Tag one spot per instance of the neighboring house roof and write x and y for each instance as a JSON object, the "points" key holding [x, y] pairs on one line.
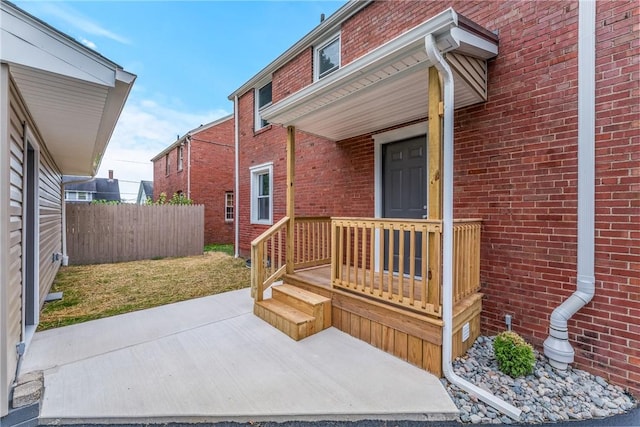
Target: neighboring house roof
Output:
{"points": [[144, 192], [192, 132], [102, 188], [74, 94]]}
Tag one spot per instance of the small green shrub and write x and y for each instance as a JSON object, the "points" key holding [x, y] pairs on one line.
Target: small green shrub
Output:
{"points": [[514, 355]]}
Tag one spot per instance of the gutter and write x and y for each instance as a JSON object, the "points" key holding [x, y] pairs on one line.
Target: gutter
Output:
{"points": [[447, 235], [556, 346]]}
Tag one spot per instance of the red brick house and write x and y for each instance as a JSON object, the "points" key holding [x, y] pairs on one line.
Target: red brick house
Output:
{"points": [[510, 127], [200, 166]]}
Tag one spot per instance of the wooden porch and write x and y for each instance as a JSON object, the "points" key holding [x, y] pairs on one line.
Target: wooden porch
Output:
{"points": [[397, 311]]}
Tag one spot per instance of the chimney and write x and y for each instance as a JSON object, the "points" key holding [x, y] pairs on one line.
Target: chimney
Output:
{"points": [[110, 174]]}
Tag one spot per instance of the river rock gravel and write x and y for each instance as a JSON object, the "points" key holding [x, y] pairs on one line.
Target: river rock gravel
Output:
{"points": [[547, 395]]}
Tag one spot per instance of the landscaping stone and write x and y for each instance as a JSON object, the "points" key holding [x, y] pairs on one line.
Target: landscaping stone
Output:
{"points": [[547, 395]]}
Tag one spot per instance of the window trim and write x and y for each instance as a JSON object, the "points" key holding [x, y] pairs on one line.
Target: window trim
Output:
{"points": [[229, 207], [256, 96], [254, 172], [316, 56]]}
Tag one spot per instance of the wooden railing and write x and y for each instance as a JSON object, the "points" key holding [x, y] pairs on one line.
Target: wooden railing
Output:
{"points": [[466, 258], [312, 241], [268, 258], [311, 247], [388, 260], [364, 251]]}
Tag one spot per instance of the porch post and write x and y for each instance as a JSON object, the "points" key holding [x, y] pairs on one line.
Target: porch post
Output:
{"points": [[291, 163], [434, 137]]}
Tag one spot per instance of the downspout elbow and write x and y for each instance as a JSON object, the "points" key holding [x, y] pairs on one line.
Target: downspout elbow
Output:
{"points": [[447, 254]]}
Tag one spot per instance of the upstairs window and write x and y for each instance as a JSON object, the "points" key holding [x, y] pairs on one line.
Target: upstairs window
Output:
{"points": [[180, 156], [327, 58], [167, 165], [263, 100]]}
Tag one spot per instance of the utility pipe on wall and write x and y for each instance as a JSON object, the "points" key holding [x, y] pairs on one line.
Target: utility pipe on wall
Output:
{"points": [[556, 346], [447, 236], [187, 138], [237, 176]]}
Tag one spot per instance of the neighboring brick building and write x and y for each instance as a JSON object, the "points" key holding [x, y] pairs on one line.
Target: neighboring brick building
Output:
{"points": [[200, 166], [515, 154]]}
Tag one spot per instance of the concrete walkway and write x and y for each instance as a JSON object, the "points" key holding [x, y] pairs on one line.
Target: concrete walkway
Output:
{"points": [[211, 359]]}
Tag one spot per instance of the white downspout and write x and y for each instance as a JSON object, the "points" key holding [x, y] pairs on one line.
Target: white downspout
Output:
{"points": [[236, 178], [447, 244], [188, 139], [556, 346]]}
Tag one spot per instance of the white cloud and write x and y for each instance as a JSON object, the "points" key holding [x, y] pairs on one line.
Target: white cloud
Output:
{"points": [[89, 44], [144, 129], [81, 22]]}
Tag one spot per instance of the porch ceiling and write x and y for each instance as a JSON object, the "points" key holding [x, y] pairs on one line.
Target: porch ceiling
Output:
{"points": [[389, 86]]}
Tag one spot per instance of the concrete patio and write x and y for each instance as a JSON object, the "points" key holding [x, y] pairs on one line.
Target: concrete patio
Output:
{"points": [[211, 359]]}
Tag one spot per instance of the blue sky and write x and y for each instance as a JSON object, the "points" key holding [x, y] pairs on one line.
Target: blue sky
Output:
{"points": [[188, 56]]}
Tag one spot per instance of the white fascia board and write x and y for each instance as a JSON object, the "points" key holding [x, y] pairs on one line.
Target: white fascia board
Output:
{"points": [[113, 108], [29, 42], [414, 38]]}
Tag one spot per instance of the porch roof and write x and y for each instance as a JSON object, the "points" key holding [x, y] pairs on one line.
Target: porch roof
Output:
{"points": [[389, 85], [74, 94]]}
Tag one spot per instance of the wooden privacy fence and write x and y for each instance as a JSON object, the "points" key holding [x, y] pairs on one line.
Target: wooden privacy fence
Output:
{"points": [[100, 234]]}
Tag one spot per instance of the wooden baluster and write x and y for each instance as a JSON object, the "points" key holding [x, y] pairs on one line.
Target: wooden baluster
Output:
{"points": [[356, 267], [372, 256], [381, 260], [412, 263], [364, 257], [391, 264], [401, 230], [424, 290], [341, 252]]}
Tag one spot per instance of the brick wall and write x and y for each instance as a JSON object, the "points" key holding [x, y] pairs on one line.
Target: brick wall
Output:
{"points": [[515, 167], [212, 175]]}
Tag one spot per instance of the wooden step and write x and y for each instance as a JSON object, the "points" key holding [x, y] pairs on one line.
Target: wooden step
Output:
{"points": [[291, 321], [305, 301]]}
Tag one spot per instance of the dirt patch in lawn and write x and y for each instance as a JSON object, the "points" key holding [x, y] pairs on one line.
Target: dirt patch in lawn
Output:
{"points": [[96, 291]]}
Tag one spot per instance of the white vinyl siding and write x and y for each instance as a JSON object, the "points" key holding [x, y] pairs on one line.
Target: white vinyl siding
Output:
{"points": [[49, 217]]}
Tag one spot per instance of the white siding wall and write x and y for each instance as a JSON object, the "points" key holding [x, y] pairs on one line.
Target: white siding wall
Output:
{"points": [[50, 239]]}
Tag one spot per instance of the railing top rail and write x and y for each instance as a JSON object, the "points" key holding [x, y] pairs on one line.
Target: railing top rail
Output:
{"points": [[390, 220], [458, 220], [313, 218], [273, 229]]}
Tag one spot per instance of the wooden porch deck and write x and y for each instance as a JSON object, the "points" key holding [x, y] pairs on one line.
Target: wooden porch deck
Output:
{"points": [[409, 335]]}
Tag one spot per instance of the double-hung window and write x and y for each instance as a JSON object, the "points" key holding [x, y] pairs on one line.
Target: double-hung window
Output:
{"points": [[326, 58], [228, 206], [262, 194], [180, 156], [263, 100]]}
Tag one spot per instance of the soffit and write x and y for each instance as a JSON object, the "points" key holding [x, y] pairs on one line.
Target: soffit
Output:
{"points": [[388, 86], [73, 94]]}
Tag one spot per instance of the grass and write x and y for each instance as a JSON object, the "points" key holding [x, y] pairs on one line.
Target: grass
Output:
{"points": [[227, 249], [96, 291]]}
